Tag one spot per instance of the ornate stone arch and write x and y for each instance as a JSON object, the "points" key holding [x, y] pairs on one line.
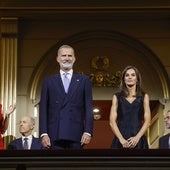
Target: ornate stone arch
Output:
{"points": [[99, 42]]}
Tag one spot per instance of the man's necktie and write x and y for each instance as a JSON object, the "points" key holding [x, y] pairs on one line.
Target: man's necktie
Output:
{"points": [[66, 82], [26, 143]]}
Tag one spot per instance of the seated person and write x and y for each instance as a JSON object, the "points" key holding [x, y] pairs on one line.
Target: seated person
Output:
{"points": [[27, 141], [164, 141]]}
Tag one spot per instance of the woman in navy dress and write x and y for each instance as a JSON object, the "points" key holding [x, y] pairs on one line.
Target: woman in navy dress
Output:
{"points": [[130, 112]]}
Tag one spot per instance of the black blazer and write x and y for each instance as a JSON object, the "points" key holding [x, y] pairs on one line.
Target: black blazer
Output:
{"points": [[17, 144], [164, 142]]}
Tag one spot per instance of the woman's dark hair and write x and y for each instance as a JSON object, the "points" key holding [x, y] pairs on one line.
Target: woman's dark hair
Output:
{"points": [[139, 89]]}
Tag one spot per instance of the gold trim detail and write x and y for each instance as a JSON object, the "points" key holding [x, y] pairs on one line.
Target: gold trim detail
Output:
{"points": [[101, 77]]}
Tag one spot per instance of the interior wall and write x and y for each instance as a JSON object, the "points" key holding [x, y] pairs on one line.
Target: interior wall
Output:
{"points": [[39, 39], [102, 137], [120, 50]]}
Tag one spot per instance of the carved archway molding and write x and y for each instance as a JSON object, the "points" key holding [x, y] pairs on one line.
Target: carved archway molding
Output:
{"points": [[42, 69]]}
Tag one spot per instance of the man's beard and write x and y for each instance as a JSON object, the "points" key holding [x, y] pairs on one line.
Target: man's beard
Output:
{"points": [[66, 66]]}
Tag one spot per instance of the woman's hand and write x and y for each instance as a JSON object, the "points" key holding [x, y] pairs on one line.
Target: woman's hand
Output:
{"points": [[125, 143], [133, 141], [10, 109]]}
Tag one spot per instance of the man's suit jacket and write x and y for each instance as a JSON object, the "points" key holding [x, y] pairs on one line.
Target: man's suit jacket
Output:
{"points": [[66, 116], [18, 145], [164, 142]]}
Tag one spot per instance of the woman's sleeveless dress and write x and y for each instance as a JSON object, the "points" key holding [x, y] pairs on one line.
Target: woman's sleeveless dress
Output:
{"points": [[130, 119], [1, 119]]}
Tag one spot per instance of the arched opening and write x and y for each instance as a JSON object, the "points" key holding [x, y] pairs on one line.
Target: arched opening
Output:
{"points": [[121, 50]]}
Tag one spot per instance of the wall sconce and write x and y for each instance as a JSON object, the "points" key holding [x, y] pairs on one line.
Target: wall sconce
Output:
{"points": [[96, 114]]}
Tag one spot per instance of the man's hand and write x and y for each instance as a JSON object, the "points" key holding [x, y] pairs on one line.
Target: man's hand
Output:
{"points": [[86, 138], [46, 141]]}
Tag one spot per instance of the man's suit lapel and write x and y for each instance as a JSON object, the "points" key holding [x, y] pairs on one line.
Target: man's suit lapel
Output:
{"points": [[75, 81], [20, 145], [73, 84], [33, 144], [59, 85], [166, 141]]}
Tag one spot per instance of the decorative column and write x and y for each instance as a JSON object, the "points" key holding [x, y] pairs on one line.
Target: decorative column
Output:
{"points": [[8, 63]]}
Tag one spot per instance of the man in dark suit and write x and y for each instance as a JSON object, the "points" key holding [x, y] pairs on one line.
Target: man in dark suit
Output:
{"points": [[66, 116], [164, 141], [27, 141]]}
